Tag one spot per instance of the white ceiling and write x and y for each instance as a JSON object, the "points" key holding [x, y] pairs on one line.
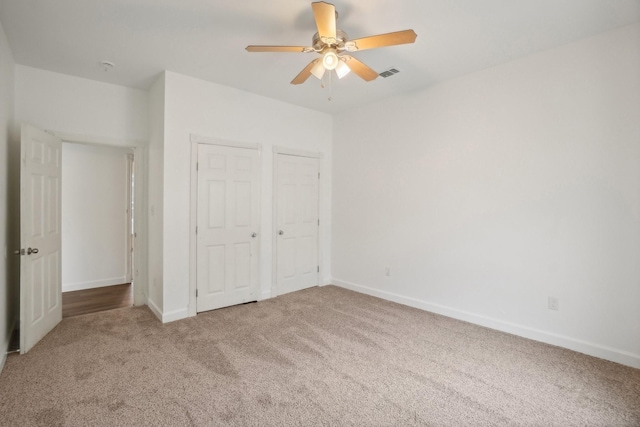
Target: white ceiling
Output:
{"points": [[206, 39]]}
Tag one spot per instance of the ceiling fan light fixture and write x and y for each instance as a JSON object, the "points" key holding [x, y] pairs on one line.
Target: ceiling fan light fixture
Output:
{"points": [[342, 69], [330, 59], [318, 70], [329, 41]]}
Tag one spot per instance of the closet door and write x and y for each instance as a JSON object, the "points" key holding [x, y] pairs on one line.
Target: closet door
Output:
{"points": [[228, 218], [297, 223]]}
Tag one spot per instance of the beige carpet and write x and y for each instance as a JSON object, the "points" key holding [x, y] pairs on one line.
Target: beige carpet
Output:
{"points": [[324, 356]]}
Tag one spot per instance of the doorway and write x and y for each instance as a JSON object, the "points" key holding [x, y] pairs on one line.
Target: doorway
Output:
{"points": [[41, 224], [98, 188]]}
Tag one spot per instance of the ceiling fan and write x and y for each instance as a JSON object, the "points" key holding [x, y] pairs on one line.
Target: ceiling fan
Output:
{"points": [[332, 44]]}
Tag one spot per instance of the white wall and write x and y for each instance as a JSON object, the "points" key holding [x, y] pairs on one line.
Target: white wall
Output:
{"points": [[99, 112], [156, 177], [207, 109], [487, 194], [8, 286], [94, 216], [79, 106]]}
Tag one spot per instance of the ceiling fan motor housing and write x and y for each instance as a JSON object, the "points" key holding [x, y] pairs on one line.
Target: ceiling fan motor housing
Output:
{"points": [[320, 43]]}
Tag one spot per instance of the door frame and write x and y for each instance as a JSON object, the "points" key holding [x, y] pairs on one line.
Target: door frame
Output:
{"points": [[277, 150], [193, 208], [138, 147], [131, 200]]}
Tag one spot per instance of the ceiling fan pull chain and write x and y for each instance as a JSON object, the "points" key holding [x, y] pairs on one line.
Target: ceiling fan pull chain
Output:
{"points": [[330, 85]]}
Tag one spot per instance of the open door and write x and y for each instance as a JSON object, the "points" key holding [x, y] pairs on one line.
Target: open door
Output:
{"points": [[40, 225]]}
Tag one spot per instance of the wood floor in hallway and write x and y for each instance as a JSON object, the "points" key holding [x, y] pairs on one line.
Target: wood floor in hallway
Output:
{"points": [[99, 299]]}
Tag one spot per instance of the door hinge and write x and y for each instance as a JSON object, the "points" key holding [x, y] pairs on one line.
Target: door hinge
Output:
{"points": [[196, 229], [318, 222], [196, 293], [318, 269], [318, 175], [197, 165]]}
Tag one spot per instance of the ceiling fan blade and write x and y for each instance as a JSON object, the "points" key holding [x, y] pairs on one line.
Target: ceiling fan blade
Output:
{"points": [[305, 73], [389, 39], [253, 48], [325, 14], [359, 68]]}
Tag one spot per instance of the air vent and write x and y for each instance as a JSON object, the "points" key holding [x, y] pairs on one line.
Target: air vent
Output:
{"points": [[390, 72]]}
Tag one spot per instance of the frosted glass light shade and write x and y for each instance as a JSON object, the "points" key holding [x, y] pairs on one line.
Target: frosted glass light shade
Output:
{"points": [[330, 60], [342, 69], [318, 70]]}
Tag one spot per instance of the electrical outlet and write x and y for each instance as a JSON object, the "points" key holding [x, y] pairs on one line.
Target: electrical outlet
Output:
{"points": [[387, 271], [554, 303]]}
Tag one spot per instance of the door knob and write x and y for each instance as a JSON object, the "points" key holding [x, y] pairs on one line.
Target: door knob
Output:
{"points": [[254, 234], [32, 251], [281, 232]]}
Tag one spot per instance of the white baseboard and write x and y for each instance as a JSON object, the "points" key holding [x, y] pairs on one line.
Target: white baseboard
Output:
{"points": [[154, 308], [592, 349], [139, 298], [170, 316], [5, 349], [174, 315], [68, 287], [5, 346]]}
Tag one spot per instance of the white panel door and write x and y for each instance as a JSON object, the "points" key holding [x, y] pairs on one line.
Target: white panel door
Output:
{"points": [[228, 218], [40, 224], [297, 224]]}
